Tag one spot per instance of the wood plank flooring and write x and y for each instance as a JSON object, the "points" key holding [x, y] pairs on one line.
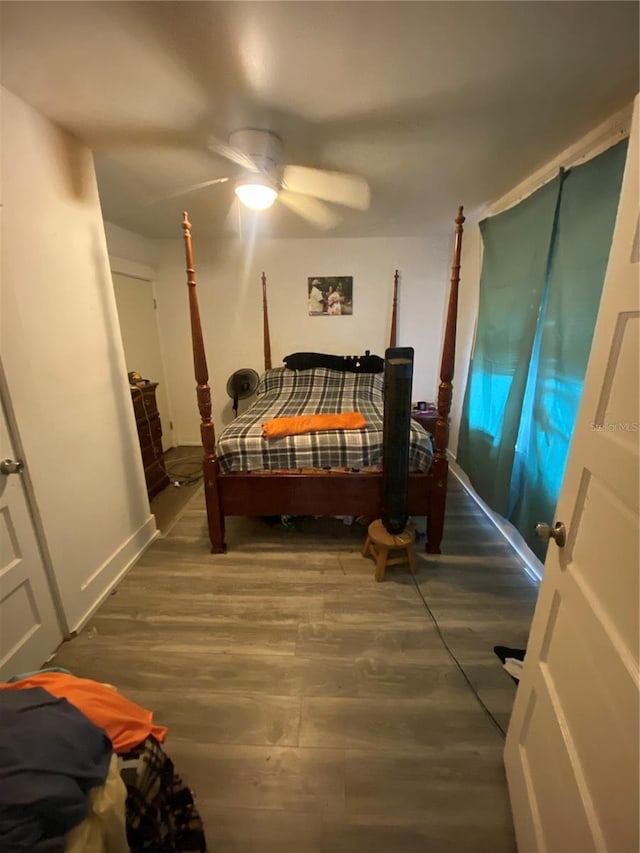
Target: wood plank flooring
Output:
{"points": [[182, 464], [310, 709]]}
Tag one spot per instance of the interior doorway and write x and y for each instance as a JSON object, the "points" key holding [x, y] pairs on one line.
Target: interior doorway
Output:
{"points": [[137, 312]]}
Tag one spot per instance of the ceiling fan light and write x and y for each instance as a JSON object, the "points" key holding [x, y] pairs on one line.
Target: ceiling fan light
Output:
{"points": [[256, 196]]}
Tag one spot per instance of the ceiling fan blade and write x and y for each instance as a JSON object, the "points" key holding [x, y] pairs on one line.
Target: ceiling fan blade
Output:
{"points": [[337, 187], [183, 190], [231, 153], [314, 211]]}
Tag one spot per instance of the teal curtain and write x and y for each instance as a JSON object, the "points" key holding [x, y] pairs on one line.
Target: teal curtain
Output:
{"points": [[578, 262], [543, 269], [516, 254]]}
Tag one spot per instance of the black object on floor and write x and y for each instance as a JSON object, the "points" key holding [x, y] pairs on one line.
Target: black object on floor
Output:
{"points": [[505, 652]]}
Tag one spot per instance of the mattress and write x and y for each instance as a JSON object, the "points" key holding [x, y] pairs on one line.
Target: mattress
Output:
{"points": [[287, 393]]}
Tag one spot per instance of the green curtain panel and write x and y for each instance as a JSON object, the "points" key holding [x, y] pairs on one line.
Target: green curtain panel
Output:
{"points": [[578, 263], [517, 246]]}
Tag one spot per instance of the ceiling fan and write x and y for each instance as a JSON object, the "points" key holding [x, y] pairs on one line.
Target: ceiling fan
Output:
{"points": [[266, 177]]}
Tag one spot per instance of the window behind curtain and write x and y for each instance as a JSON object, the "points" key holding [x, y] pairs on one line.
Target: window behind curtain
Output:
{"points": [[578, 263], [543, 269], [516, 252]]}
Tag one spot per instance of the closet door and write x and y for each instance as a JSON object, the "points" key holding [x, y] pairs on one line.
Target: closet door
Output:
{"points": [[29, 626]]}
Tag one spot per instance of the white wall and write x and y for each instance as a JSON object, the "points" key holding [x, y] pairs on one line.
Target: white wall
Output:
{"points": [[228, 276], [63, 359], [130, 246], [595, 142]]}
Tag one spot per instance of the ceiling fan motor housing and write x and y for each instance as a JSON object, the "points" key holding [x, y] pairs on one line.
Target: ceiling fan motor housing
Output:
{"points": [[263, 146]]}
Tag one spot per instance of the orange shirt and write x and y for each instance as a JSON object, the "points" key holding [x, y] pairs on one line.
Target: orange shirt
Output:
{"points": [[126, 723]]}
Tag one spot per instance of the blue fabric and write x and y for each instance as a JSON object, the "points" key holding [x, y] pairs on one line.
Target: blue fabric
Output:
{"points": [[542, 275], [51, 755], [578, 262], [516, 256], [37, 672]]}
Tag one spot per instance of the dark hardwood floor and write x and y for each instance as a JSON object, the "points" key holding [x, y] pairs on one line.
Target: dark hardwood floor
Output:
{"points": [[315, 711]]}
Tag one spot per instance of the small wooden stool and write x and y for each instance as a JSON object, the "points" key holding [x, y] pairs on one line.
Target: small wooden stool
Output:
{"points": [[380, 543]]}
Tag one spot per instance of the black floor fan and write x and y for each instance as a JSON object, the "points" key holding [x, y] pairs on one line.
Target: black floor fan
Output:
{"points": [[398, 379], [241, 385]]}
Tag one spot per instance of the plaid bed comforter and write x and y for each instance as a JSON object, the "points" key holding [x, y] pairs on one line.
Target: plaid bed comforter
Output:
{"points": [[286, 393]]}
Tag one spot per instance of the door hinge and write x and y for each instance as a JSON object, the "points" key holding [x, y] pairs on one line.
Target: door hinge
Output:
{"points": [[170, 424], [155, 305]]}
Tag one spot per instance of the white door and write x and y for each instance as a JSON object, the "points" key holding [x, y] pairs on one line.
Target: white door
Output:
{"points": [[571, 752], [140, 339], [29, 626]]}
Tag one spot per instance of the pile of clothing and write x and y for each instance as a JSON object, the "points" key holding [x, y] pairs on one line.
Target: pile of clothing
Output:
{"points": [[82, 770]]}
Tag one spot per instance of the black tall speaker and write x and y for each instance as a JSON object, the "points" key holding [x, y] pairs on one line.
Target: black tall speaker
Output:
{"points": [[398, 378]]}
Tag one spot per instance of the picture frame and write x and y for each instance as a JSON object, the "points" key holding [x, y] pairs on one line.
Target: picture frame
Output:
{"points": [[330, 295]]}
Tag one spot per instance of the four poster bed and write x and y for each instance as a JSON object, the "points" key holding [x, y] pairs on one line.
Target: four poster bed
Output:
{"points": [[270, 488]]}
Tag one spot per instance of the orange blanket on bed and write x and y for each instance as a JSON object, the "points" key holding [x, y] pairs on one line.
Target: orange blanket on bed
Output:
{"points": [[279, 427]]}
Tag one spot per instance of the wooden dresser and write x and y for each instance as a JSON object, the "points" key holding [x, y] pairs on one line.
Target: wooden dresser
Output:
{"points": [[150, 436], [426, 418]]}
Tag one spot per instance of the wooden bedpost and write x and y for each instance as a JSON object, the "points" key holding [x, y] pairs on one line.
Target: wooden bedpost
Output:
{"points": [[210, 465], [265, 321], [394, 311], [440, 468]]}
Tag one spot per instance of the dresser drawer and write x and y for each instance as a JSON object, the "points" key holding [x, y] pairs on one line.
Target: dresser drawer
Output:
{"points": [[149, 430], [144, 400], [149, 397], [151, 454]]}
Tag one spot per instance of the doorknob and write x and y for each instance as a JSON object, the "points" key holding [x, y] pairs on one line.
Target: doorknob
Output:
{"points": [[8, 466], [558, 533]]}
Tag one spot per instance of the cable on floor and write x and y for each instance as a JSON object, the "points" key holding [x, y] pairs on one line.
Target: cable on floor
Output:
{"points": [[183, 478], [456, 661], [176, 479]]}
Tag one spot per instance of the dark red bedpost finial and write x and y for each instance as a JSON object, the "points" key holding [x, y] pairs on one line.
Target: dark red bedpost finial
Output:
{"points": [[203, 392], [445, 389], [199, 357], [265, 320], [440, 466]]}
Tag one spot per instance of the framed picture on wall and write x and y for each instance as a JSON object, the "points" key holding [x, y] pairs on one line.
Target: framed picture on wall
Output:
{"points": [[330, 295]]}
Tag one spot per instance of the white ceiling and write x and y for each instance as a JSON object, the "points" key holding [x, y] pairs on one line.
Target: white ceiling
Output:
{"points": [[435, 103]]}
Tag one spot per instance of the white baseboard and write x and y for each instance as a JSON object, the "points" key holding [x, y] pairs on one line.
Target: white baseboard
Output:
{"points": [[119, 564], [533, 566]]}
